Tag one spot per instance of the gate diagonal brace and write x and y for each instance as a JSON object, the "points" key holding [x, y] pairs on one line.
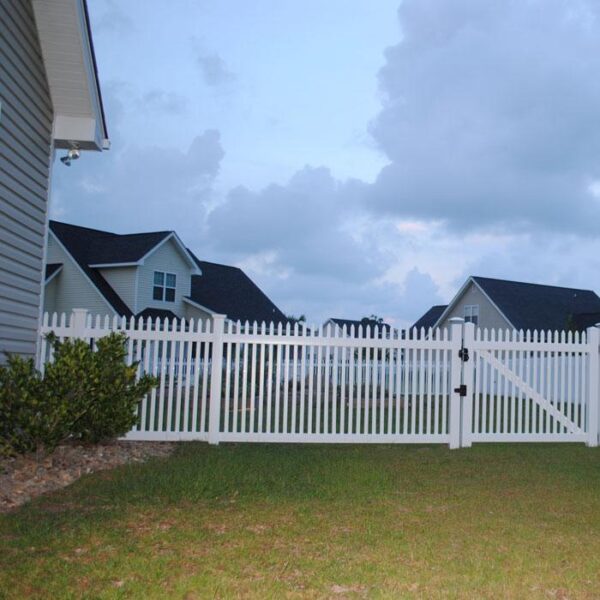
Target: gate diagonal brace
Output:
{"points": [[571, 427]]}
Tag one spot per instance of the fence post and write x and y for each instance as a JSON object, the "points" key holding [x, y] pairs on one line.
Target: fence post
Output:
{"points": [[456, 334], [468, 369], [593, 339], [78, 322], [216, 379]]}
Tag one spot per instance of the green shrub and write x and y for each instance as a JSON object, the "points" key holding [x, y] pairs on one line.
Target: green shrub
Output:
{"points": [[84, 394], [21, 399]]}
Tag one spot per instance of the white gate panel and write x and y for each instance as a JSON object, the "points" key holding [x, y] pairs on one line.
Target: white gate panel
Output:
{"points": [[530, 387]]}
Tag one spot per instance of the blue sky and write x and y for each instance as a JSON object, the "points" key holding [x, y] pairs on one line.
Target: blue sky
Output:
{"points": [[352, 157], [292, 83]]}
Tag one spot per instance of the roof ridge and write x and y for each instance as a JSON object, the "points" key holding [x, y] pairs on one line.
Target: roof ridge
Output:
{"points": [[55, 222], [529, 283], [112, 233], [211, 262]]}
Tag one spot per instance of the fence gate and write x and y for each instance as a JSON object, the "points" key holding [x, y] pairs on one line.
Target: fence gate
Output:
{"points": [[530, 387]]}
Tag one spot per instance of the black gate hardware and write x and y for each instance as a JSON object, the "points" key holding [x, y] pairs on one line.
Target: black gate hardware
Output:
{"points": [[463, 354], [461, 390]]}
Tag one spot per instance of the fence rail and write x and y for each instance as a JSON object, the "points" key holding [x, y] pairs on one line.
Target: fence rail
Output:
{"points": [[226, 381]]}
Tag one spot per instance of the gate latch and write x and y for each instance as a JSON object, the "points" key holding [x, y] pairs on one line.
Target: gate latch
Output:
{"points": [[463, 354], [461, 390]]}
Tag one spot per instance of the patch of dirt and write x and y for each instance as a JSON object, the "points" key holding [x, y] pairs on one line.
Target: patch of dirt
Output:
{"points": [[25, 477]]}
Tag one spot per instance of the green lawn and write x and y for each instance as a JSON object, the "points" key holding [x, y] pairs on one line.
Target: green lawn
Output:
{"points": [[275, 521]]}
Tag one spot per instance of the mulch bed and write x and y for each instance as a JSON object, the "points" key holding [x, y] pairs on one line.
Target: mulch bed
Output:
{"points": [[25, 477]]}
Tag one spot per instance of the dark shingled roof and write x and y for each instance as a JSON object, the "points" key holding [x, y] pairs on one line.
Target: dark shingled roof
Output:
{"points": [[92, 246], [229, 291], [101, 247], [372, 323], [430, 318], [534, 306], [52, 268], [153, 313], [582, 321]]}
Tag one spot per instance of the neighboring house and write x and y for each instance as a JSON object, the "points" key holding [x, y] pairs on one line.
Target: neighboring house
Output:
{"points": [[49, 99], [430, 318], [337, 327], [499, 304], [145, 275]]}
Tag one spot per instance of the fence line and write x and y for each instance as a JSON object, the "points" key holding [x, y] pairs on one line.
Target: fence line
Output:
{"points": [[226, 381]]}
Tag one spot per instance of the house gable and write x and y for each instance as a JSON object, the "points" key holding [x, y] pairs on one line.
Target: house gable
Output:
{"points": [[167, 258], [471, 294], [71, 288]]}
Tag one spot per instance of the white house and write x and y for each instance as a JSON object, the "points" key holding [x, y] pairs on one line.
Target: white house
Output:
{"points": [[145, 275], [49, 99]]}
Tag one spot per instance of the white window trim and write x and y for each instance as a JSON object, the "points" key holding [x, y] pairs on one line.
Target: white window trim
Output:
{"points": [[164, 286], [471, 311]]}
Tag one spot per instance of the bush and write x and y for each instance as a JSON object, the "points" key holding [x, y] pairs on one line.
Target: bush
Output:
{"points": [[84, 394], [21, 399]]}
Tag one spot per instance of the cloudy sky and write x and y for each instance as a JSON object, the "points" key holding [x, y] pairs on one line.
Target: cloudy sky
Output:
{"points": [[353, 157]]}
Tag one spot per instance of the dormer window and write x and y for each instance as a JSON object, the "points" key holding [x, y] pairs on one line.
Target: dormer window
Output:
{"points": [[164, 286]]}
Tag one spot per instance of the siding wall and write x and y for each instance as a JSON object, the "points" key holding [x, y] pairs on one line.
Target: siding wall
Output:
{"points": [[191, 312], [488, 314], [123, 281], [25, 150], [70, 288], [168, 259]]}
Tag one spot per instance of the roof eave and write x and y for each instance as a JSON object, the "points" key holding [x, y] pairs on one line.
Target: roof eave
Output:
{"points": [[70, 63], [114, 265]]}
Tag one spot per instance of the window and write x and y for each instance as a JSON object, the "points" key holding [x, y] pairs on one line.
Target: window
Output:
{"points": [[164, 286], [472, 313]]}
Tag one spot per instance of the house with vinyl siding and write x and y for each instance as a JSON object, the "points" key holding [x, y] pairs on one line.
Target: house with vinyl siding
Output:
{"points": [[145, 275], [502, 304], [50, 102]]}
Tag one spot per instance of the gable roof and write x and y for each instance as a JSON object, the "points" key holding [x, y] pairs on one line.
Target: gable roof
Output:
{"points": [[430, 318], [97, 247], [228, 290], [534, 306], [83, 244]]}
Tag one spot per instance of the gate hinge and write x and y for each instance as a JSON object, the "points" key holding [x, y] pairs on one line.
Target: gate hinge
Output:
{"points": [[463, 354], [461, 390]]}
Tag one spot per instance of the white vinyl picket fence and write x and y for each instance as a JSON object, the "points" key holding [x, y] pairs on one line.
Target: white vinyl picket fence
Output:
{"points": [[221, 381]]}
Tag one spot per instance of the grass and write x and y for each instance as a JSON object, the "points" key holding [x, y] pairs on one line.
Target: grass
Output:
{"points": [[274, 521]]}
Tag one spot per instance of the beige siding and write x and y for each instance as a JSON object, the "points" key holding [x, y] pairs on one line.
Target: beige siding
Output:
{"points": [[25, 149], [192, 312], [123, 281], [72, 288], [50, 294], [489, 316], [168, 259]]}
